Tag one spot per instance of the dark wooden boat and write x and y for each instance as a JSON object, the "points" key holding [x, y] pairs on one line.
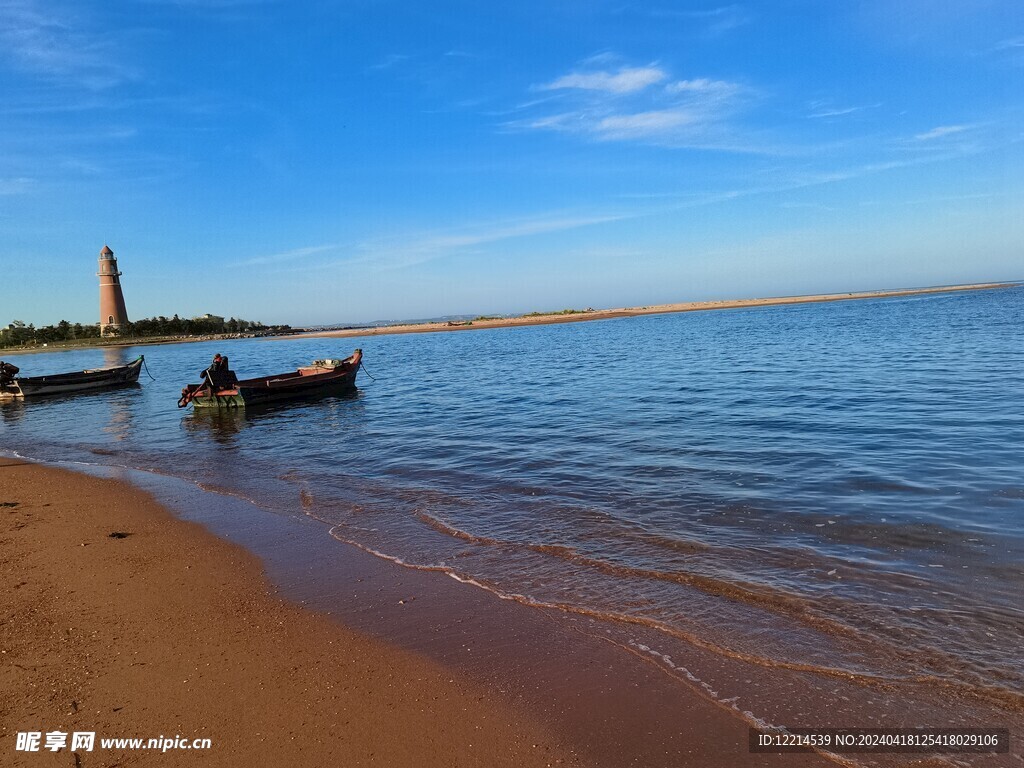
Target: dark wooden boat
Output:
{"points": [[323, 377], [67, 383]]}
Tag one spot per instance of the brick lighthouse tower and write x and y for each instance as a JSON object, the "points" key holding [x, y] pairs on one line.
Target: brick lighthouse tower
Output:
{"points": [[113, 315]]}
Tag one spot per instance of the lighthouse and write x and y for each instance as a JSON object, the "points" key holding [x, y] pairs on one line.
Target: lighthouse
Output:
{"points": [[113, 315]]}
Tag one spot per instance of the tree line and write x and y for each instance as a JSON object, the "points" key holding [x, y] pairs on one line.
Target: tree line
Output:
{"points": [[19, 334]]}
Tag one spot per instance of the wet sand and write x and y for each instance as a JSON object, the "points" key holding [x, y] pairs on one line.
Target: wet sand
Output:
{"points": [[173, 631], [658, 309]]}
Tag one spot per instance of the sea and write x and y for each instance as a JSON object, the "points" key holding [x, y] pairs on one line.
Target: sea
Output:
{"points": [[795, 510]]}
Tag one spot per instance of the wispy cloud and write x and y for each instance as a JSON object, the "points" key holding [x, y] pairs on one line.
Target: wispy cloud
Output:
{"points": [[835, 112], [16, 186], [645, 124], [414, 248], [418, 248], [626, 80], [712, 21], [823, 109], [940, 131], [639, 104], [724, 18], [704, 86], [780, 180], [807, 206], [390, 61], [931, 200], [56, 43], [964, 138], [1009, 44], [291, 255], [815, 178]]}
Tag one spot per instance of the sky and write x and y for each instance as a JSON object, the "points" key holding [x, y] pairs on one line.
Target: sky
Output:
{"points": [[341, 162]]}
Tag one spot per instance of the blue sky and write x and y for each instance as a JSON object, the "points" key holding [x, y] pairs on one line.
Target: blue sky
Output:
{"points": [[324, 162]]}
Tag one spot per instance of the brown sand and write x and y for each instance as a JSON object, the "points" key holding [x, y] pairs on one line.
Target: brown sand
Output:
{"points": [[171, 631], [659, 309]]}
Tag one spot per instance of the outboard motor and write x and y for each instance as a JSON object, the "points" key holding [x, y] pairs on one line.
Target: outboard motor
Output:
{"points": [[7, 373]]}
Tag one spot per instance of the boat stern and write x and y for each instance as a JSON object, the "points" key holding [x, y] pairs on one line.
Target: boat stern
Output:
{"points": [[198, 396], [10, 392], [222, 400]]}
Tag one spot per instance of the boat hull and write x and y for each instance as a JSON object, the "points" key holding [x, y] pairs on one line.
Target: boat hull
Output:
{"points": [[305, 383], [69, 383]]}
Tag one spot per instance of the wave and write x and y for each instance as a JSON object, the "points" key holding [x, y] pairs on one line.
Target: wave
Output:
{"points": [[992, 695]]}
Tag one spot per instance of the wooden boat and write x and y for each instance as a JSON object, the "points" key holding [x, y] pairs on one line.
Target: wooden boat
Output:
{"points": [[322, 377], [67, 383]]}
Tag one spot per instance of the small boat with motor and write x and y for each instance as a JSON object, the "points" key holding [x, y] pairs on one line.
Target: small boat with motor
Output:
{"points": [[221, 388], [13, 386]]}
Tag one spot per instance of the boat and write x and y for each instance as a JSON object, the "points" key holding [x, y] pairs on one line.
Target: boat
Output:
{"points": [[322, 377], [12, 387]]}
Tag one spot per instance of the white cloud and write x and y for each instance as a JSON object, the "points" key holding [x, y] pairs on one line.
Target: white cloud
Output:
{"points": [[626, 80], [556, 122], [48, 41], [391, 60], [1011, 43], [644, 124], [411, 249], [621, 105], [702, 85], [824, 109], [716, 21], [939, 132], [835, 112], [408, 250], [292, 255]]}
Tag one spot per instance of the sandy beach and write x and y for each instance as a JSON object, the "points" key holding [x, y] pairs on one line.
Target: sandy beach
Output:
{"points": [[170, 632], [658, 309]]}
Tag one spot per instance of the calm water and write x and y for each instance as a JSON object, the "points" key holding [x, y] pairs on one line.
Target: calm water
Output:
{"points": [[826, 495]]}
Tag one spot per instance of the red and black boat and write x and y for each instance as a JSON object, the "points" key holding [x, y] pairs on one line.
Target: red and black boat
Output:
{"points": [[322, 377]]}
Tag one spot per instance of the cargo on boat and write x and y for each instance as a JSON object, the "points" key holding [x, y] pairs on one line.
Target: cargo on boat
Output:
{"points": [[222, 389], [14, 386]]}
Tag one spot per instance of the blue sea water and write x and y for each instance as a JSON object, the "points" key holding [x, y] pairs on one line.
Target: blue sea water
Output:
{"points": [[834, 491]]}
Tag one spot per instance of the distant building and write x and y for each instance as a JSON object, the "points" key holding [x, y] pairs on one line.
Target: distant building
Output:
{"points": [[210, 318], [113, 315]]}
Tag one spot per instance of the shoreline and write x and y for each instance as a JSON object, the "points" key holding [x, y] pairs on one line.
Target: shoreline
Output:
{"points": [[510, 684], [659, 309], [531, 319], [142, 341], [170, 631]]}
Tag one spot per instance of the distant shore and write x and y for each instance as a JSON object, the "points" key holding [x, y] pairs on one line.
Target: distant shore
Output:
{"points": [[533, 318], [657, 309], [115, 342]]}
